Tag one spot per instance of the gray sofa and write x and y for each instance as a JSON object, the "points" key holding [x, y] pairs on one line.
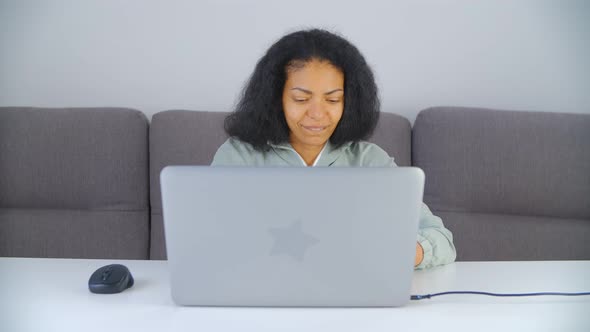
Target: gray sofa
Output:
{"points": [[74, 183], [84, 182], [510, 185]]}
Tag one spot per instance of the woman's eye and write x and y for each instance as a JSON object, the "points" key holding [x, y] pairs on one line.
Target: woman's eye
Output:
{"points": [[333, 101], [300, 100]]}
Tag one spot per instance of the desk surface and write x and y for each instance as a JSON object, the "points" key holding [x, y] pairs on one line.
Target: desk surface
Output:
{"points": [[52, 295]]}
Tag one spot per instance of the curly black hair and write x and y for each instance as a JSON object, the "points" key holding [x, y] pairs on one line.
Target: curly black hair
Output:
{"points": [[259, 119]]}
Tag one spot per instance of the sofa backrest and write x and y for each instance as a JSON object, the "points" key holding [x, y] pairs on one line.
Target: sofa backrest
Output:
{"points": [[180, 137], [74, 183], [510, 185]]}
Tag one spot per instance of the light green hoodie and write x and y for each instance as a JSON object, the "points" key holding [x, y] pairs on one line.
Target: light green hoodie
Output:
{"points": [[435, 239]]}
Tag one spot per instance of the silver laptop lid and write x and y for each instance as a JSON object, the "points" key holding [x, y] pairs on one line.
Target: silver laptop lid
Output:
{"points": [[241, 236]]}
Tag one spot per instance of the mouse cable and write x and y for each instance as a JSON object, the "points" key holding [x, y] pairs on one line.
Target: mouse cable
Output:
{"points": [[427, 296]]}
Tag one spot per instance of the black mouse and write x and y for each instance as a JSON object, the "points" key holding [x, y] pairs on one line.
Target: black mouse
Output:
{"points": [[110, 279]]}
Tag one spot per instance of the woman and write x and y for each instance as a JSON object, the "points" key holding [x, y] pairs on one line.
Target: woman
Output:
{"points": [[311, 101]]}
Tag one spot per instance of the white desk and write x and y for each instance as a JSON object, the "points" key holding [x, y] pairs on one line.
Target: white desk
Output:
{"points": [[52, 295]]}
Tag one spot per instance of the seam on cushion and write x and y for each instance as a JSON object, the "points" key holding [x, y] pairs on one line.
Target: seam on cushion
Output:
{"points": [[508, 214], [68, 209]]}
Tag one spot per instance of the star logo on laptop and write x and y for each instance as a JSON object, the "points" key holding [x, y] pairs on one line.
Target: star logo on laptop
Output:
{"points": [[291, 241]]}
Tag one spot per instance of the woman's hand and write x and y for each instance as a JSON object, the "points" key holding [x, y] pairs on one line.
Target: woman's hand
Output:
{"points": [[419, 255]]}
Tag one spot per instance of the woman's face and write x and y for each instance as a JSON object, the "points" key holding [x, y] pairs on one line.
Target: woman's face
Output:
{"points": [[313, 102]]}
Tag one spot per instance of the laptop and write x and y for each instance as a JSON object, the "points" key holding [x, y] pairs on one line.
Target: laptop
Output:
{"points": [[294, 237]]}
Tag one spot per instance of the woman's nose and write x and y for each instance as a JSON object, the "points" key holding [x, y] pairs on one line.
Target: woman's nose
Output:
{"points": [[315, 110]]}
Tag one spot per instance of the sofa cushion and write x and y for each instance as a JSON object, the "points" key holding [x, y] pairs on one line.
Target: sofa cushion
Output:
{"points": [[501, 237], [507, 163], [76, 179], [179, 137]]}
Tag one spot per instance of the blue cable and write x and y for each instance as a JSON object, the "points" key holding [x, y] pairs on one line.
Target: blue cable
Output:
{"points": [[428, 296]]}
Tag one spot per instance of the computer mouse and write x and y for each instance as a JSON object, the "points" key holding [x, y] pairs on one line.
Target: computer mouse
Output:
{"points": [[110, 279]]}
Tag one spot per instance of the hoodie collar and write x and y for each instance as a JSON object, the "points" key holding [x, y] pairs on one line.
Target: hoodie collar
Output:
{"points": [[327, 157]]}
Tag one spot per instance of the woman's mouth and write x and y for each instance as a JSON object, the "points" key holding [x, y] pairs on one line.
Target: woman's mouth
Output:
{"points": [[315, 129]]}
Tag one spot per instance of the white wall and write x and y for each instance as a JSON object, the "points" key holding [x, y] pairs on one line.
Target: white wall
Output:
{"points": [[157, 55]]}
